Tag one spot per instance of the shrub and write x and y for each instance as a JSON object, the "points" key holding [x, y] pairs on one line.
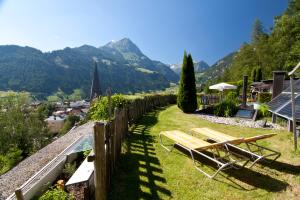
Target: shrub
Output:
{"points": [[100, 109], [10, 159], [264, 97], [226, 108], [86, 152], [187, 99], [56, 194], [232, 96], [69, 169], [199, 97], [264, 110], [69, 123]]}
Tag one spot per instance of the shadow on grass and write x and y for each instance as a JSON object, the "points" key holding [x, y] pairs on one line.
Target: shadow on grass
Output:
{"points": [[139, 173], [244, 175], [282, 167]]}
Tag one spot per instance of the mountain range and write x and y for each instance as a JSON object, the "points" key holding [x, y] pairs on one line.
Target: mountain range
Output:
{"points": [[215, 71], [205, 73], [121, 65], [198, 67]]}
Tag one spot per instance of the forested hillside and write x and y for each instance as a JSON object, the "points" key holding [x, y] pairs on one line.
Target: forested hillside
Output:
{"points": [[216, 71], [122, 66], [278, 49]]}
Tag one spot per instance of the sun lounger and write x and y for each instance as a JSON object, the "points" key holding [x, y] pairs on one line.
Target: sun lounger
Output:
{"points": [[256, 154], [198, 146]]}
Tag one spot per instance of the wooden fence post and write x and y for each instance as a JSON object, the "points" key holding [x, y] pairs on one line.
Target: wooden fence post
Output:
{"points": [[107, 130], [109, 104], [100, 162], [19, 194]]}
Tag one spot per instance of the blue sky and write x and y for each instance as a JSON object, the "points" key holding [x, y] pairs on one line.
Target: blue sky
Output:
{"points": [[162, 29]]}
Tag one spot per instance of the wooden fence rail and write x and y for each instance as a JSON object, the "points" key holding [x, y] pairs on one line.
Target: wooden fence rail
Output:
{"points": [[108, 138], [208, 99]]}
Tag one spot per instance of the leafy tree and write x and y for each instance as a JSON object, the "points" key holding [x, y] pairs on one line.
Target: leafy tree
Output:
{"points": [[187, 99], [77, 95], [22, 126], [45, 110], [53, 98]]}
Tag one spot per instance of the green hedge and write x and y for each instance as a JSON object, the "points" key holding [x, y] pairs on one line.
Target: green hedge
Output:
{"points": [[99, 109], [264, 97]]}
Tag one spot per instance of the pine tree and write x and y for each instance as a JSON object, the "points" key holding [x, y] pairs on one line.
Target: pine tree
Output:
{"points": [[259, 74], [187, 98], [258, 31], [293, 7], [253, 75]]}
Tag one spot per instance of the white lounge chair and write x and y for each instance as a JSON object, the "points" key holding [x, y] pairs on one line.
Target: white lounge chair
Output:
{"points": [[256, 154], [197, 146]]}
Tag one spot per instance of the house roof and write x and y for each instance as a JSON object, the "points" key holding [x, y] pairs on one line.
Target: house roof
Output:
{"points": [[54, 118]]}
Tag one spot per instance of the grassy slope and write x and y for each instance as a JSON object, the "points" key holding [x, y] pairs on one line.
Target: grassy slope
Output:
{"points": [[147, 171]]}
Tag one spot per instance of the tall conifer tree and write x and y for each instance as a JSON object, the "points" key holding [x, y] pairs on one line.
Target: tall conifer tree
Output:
{"points": [[187, 98], [257, 32], [259, 74], [253, 75]]}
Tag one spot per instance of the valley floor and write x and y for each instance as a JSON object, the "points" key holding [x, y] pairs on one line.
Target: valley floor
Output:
{"points": [[147, 171]]}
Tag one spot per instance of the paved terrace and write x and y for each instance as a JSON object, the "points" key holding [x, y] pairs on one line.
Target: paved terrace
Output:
{"points": [[31, 165]]}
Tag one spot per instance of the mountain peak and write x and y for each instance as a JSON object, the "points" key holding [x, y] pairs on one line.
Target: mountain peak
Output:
{"points": [[124, 45], [198, 66]]}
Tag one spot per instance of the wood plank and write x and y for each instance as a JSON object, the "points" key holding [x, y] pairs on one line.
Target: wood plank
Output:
{"points": [[99, 163], [221, 137], [189, 141], [259, 137], [213, 134], [108, 153]]}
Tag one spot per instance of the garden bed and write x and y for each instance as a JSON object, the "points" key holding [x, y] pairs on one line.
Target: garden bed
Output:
{"points": [[240, 122]]}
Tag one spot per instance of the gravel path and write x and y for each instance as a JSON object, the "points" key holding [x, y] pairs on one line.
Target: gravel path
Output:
{"points": [[28, 167], [239, 122]]}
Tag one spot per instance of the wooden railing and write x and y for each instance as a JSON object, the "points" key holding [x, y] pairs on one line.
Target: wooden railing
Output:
{"points": [[208, 99], [109, 136]]}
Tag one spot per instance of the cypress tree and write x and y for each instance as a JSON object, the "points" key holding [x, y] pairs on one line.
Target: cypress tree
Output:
{"points": [[253, 75], [187, 98], [259, 74]]}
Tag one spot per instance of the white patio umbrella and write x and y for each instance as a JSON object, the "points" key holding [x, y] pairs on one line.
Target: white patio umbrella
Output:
{"points": [[222, 86]]}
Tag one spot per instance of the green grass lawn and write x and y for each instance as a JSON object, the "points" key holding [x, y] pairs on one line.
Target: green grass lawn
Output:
{"points": [[148, 171]]}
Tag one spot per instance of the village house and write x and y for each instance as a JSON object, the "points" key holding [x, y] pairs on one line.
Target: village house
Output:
{"points": [[55, 123]]}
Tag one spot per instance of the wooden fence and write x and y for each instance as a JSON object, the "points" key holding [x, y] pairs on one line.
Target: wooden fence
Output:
{"points": [[208, 99], [108, 138]]}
